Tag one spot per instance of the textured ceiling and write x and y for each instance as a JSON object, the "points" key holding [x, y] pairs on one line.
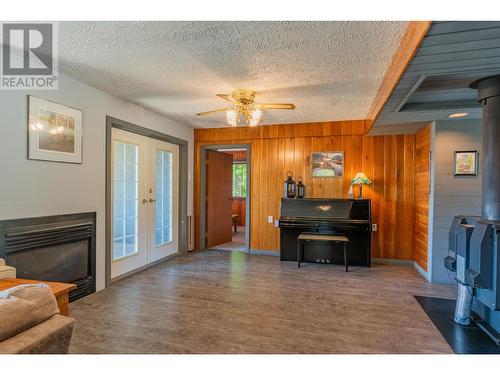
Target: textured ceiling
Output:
{"points": [[330, 70]]}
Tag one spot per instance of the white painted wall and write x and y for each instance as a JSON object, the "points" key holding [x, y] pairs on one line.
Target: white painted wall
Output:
{"points": [[30, 188], [451, 195]]}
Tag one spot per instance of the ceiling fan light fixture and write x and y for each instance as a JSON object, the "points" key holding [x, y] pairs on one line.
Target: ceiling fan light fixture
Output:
{"points": [[244, 110], [255, 117], [232, 117]]}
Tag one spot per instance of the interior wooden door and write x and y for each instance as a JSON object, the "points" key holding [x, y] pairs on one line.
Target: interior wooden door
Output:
{"points": [[219, 198]]}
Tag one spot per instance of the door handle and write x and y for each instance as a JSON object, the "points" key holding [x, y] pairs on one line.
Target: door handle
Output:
{"points": [[151, 200], [144, 201]]}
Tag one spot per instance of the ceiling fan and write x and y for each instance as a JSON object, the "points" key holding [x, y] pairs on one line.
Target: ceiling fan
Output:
{"points": [[244, 110]]}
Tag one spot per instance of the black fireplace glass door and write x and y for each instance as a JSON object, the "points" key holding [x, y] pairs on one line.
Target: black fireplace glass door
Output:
{"points": [[64, 263]]}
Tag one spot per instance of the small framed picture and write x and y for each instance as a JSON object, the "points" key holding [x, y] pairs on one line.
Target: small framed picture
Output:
{"points": [[328, 164], [465, 163], [54, 131]]}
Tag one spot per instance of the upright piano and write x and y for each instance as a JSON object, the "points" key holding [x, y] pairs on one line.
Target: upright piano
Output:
{"points": [[347, 217]]}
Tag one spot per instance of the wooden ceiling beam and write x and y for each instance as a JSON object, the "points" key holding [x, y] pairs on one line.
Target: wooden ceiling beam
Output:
{"points": [[413, 36]]}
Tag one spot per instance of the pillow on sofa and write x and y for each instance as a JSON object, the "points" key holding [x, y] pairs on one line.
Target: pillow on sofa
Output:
{"points": [[6, 271], [25, 306]]}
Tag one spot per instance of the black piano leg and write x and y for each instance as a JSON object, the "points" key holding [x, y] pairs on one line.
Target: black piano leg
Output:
{"points": [[346, 261], [298, 253]]}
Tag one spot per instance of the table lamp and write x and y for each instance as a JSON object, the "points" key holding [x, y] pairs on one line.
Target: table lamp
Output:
{"points": [[361, 180]]}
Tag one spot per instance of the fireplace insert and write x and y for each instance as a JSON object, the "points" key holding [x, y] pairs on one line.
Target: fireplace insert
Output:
{"points": [[53, 248]]}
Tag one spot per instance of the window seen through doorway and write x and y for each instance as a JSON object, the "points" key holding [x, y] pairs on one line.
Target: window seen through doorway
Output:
{"points": [[239, 180]]}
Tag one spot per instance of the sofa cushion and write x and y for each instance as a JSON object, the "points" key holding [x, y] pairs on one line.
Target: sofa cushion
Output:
{"points": [[52, 336], [25, 306]]}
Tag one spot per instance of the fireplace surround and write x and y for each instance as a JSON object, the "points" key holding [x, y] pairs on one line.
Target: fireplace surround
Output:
{"points": [[53, 248]]}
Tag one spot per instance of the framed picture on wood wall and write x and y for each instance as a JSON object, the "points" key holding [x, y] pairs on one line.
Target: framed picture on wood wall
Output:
{"points": [[328, 164], [54, 131], [465, 163]]}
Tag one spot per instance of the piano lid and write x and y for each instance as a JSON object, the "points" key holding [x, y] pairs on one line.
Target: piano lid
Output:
{"points": [[317, 208]]}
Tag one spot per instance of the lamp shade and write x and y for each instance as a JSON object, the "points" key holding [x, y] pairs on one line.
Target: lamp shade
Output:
{"points": [[361, 179]]}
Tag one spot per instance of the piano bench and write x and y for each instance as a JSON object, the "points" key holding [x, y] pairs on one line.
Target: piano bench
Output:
{"points": [[306, 237]]}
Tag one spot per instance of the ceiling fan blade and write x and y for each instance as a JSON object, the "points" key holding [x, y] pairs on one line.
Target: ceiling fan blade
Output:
{"points": [[227, 97], [274, 106], [213, 111]]}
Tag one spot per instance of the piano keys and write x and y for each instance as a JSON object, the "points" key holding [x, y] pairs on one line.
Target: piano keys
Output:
{"points": [[345, 217]]}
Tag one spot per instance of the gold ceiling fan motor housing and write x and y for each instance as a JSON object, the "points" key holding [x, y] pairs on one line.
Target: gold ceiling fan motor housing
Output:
{"points": [[244, 97]]}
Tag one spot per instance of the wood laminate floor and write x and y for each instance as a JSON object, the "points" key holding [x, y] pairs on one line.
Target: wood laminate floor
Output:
{"points": [[237, 243], [229, 302]]}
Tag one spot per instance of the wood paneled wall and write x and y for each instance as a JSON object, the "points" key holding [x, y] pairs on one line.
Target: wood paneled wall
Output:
{"points": [[240, 209], [422, 192], [239, 156], [276, 149]]}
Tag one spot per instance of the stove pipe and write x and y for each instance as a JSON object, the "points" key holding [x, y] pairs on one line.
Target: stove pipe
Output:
{"points": [[488, 94]]}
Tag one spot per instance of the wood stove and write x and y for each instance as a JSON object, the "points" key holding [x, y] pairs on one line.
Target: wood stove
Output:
{"points": [[475, 242]]}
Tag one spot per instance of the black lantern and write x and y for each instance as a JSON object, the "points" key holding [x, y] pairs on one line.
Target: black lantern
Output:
{"points": [[289, 186], [301, 188]]}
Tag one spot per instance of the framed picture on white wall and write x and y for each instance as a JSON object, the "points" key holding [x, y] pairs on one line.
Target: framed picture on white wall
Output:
{"points": [[54, 131], [465, 163]]}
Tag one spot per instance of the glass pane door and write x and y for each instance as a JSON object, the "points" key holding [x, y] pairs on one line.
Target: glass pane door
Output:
{"points": [[164, 198], [129, 204], [144, 200], [125, 200], [163, 214]]}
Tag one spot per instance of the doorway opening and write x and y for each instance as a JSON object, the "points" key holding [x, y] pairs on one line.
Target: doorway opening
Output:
{"points": [[225, 198], [145, 200]]}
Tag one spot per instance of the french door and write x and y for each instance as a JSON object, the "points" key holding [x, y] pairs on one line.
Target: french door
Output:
{"points": [[144, 200], [163, 198]]}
